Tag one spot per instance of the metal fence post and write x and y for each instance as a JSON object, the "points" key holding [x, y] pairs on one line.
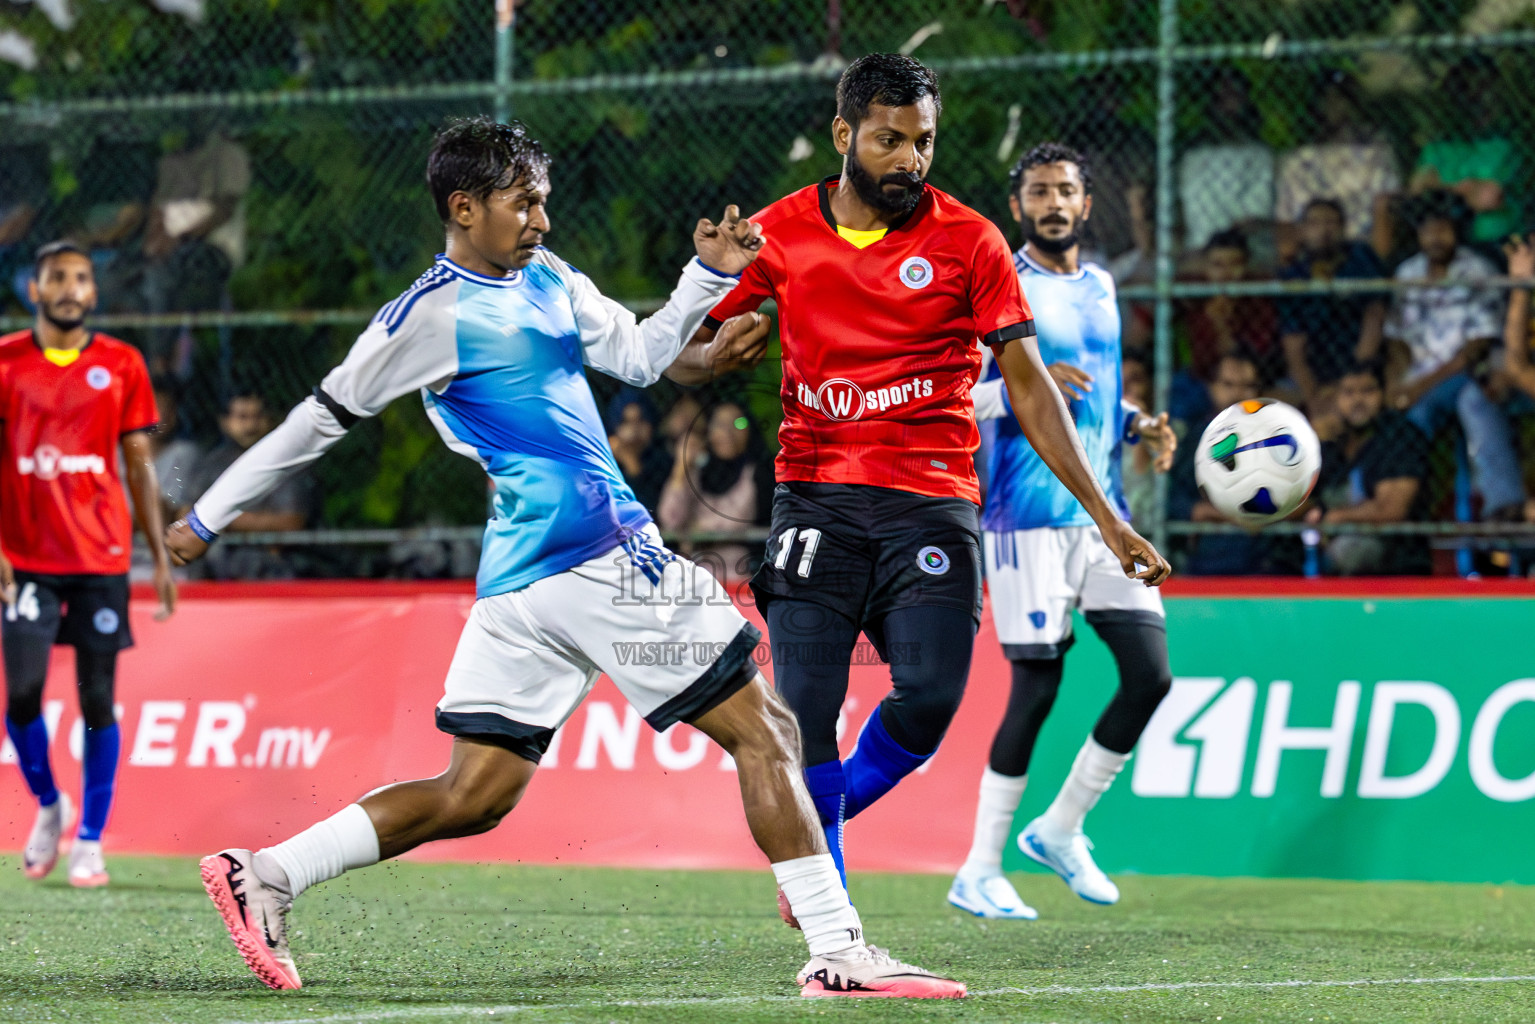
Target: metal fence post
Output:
{"points": [[1162, 372], [506, 20]]}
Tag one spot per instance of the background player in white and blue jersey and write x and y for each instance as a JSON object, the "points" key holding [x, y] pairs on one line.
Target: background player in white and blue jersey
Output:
{"points": [[1044, 557], [496, 336]]}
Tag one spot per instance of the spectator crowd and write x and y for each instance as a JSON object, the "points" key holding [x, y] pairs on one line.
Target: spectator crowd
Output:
{"points": [[1422, 392]]}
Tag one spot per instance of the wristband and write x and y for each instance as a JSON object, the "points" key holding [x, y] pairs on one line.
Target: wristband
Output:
{"points": [[196, 526], [717, 273]]}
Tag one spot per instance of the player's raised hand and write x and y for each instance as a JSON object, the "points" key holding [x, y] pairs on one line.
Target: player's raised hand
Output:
{"points": [[740, 343], [1073, 381], [184, 546], [1134, 552], [730, 245], [7, 581]]}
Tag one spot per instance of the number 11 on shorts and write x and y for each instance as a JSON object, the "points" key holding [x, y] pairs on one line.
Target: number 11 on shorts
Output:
{"points": [[812, 539]]}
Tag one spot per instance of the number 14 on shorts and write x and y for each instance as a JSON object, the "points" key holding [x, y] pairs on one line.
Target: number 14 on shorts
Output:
{"points": [[811, 539]]}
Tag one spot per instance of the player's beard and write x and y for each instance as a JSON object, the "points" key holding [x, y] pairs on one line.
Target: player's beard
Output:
{"points": [[61, 322], [1053, 246], [874, 193]]}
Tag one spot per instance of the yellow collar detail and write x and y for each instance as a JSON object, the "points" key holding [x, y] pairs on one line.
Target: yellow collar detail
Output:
{"points": [[861, 239], [61, 356]]}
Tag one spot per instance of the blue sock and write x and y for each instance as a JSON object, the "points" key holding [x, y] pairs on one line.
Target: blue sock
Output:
{"points": [[876, 765], [31, 742], [101, 747], [827, 791]]}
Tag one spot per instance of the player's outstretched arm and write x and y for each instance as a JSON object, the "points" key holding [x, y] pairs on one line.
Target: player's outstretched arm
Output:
{"points": [[144, 485], [395, 356], [1041, 412], [638, 352]]}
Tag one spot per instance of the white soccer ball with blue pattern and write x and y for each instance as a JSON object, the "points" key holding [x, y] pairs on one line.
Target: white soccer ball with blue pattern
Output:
{"points": [[1258, 461]]}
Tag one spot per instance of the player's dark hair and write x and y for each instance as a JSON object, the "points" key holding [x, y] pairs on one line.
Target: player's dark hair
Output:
{"points": [[1326, 203], [478, 156], [1231, 238], [888, 79], [52, 249], [1051, 153]]}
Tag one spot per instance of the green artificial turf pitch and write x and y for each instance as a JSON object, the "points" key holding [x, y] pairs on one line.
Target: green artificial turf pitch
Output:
{"points": [[412, 942]]}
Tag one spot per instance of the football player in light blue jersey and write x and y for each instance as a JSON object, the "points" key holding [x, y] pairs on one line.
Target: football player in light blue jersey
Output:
{"points": [[496, 336], [1044, 557]]}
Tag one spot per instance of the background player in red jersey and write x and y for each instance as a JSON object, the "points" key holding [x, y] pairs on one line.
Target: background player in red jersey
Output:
{"points": [[884, 284], [69, 397]]}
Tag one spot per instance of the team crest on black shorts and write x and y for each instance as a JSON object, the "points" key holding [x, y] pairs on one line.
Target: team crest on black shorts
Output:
{"points": [[105, 621], [933, 561]]}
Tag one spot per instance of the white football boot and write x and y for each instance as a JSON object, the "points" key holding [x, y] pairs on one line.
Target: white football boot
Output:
{"points": [[1066, 854], [87, 867], [870, 972], [255, 914], [989, 895], [42, 851]]}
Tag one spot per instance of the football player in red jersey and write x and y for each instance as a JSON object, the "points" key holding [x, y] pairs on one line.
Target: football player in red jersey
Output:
{"points": [[884, 287], [69, 398]]}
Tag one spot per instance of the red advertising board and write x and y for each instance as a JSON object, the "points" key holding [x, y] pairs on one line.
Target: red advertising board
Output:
{"points": [[257, 710]]}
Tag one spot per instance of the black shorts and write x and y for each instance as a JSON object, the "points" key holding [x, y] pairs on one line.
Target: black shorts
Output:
{"points": [[80, 611], [865, 551]]}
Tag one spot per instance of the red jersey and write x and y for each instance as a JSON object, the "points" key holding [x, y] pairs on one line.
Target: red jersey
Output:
{"points": [[62, 507], [879, 343]]}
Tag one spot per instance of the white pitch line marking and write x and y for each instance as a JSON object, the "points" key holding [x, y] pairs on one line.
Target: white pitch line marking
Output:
{"points": [[1046, 990]]}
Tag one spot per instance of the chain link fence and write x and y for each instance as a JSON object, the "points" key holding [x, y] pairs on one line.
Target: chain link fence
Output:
{"points": [[249, 176]]}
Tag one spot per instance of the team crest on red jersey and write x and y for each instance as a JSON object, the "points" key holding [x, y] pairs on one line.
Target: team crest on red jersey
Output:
{"points": [[916, 273]]}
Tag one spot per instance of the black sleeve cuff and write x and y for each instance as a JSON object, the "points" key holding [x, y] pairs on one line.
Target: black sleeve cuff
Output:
{"points": [[713, 322], [1010, 333], [344, 416]]}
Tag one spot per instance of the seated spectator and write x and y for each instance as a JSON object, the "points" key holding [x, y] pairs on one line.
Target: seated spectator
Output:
{"points": [[1226, 179], [721, 481], [632, 436], [1438, 336], [683, 418], [1351, 159], [1235, 380], [245, 421], [1223, 324], [1481, 164], [195, 235], [1322, 335], [1371, 473]]}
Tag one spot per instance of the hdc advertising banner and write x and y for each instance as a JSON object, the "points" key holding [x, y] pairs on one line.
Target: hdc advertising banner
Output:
{"points": [[1318, 731]]}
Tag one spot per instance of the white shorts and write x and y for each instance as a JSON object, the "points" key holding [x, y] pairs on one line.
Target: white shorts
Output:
{"points": [[675, 648], [1038, 576]]}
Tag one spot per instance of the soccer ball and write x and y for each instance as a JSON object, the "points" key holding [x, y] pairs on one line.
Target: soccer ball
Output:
{"points": [[1257, 461]]}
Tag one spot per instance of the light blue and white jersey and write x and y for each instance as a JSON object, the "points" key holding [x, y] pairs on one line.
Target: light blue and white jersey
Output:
{"points": [[1076, 317], [499, 364]]}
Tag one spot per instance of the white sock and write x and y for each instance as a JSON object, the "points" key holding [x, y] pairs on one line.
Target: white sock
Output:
{"points": [[1092, 773], [819, 902], [344, 841], [993, 821]]}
